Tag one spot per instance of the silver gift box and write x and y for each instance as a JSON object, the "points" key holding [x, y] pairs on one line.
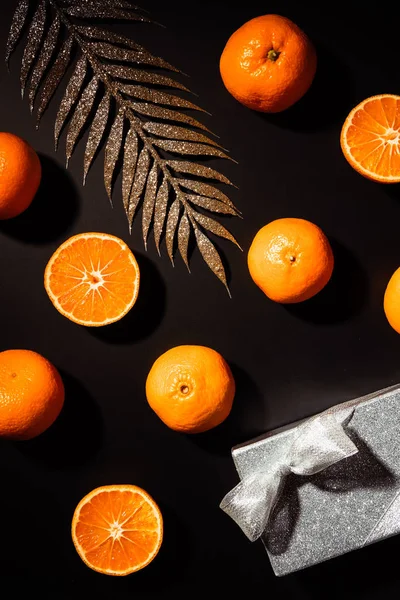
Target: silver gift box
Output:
{"points": [[346, 506]]}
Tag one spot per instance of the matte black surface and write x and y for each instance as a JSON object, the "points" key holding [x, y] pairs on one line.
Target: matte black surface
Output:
{"points": [[288, 363]]}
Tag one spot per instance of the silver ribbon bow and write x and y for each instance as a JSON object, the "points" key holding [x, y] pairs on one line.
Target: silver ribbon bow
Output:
{"points": [[320, 443]]}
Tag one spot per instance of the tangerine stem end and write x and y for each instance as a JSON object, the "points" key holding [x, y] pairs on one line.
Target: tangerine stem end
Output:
{"points": [[273, 55]]}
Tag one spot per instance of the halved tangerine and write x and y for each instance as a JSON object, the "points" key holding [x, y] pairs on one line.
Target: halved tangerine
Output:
{"points": [[370, 138], [117, 529], [93, 279]]}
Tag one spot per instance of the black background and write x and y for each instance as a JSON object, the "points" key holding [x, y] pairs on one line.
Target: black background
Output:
{"points": [[288, 363]]}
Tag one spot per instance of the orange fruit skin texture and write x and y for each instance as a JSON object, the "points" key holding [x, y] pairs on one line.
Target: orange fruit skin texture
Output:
{"points": [[370, 138], [117, 529], [31, 394], [191, 388], [256, 80], [290, 260], [20, 175], [391, 302]]}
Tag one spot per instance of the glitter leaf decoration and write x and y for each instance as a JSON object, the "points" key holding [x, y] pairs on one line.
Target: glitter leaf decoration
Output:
{"points": [[149, 202], [113, 150], [130, 158], [128, 103], [97, 33], [206, 190], [81, 114], [183, 239], [102, 10], [150, 95], [159, 112], [160, 211], [96, 133], [126, 72], [54, 77], [214, 227], [17, 26], [192, 148], [211, 256], [141, 173], [165, 130], [172, 222], [184, 166], [212, 205], [43, 61], [71, 95], [33, 42], [139, 56]]}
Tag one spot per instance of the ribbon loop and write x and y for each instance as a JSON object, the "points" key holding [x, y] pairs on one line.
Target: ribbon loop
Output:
{"points": [[320, 442]]}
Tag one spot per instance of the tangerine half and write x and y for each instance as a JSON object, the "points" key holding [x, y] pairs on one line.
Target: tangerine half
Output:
{"points": [[93, 279], [117, 529], [370, 138]]}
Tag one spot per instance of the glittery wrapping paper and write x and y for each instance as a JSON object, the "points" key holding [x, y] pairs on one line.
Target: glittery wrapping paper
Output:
{"points": [[348, 505]]}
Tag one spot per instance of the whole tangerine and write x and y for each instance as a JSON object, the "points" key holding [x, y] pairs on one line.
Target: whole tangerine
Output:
{"points": [[31, 394], [268, 64], [290, 260], [191, 388], [391, 302], [20, 175]]}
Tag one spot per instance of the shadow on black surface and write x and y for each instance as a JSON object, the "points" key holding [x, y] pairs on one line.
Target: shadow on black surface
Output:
{"points": [[392, 190], [237, 428], [343, 297], [173, 558], [53, 210], [354, 575], [146, 315], [326, 103], [31, 527], [75, 437]]}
